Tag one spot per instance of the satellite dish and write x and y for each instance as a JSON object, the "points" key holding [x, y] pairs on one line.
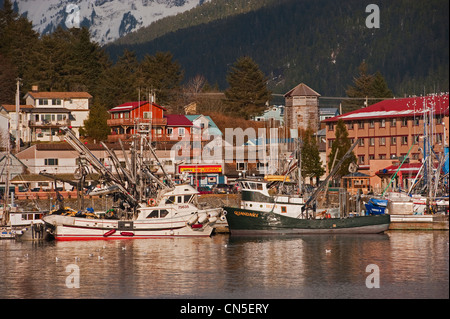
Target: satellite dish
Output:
{"points": [[352, 168]]}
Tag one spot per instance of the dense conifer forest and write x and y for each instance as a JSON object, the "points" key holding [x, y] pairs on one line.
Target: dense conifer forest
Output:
{"points": [[321, 43]]}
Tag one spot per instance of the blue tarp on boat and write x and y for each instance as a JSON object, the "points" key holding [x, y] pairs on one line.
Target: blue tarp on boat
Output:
{"points": [[376, 206]]}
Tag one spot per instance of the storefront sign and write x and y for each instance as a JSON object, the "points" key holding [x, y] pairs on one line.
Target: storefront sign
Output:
{"points": [[200, 168]]}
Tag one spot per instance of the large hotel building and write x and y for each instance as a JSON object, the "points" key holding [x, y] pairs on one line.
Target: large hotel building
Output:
{"points": [[388, 130]]}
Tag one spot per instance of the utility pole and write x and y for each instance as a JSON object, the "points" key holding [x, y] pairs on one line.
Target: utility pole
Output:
{"points": [[17, 115]]}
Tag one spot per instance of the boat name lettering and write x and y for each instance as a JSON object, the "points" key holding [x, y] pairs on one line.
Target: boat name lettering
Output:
{"points": [[246, 214], [183, 206]]}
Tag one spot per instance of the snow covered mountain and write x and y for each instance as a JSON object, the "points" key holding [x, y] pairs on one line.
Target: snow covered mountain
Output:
{"points": [[107, 20]]}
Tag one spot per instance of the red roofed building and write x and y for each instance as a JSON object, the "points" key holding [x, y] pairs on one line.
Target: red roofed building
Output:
{"points": [[389, 129], [134, 117]]}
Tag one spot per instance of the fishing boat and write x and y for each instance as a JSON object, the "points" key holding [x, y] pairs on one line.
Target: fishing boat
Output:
{"points": [[174, 214], [146, 206], [285, 214], [275, 208]]}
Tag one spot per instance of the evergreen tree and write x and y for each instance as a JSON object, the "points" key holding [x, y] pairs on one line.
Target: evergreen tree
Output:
{"points": [[380, 88], [85, 62], [95, 125], [366, 86], [119, 83], [161, 74], [8, 76], [18, 42], [247, 94], [311, 162], [340, 145]]}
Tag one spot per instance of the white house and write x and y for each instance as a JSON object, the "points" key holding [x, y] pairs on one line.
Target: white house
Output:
{"points": [[74, 104]]}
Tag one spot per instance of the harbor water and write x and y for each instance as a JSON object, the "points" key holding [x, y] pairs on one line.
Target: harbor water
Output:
{"points": [[397, 264]]}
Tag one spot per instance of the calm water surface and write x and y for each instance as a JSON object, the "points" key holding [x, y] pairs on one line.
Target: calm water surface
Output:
{"points": [[411, 265]]}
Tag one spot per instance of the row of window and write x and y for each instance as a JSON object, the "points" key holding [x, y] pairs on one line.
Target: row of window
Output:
{"points": [[52, 101], [157, 131], [403, 140], [382, 123], [362, 158], [126, 115]]}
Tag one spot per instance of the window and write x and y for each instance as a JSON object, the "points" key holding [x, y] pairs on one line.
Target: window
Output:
{"points": [[60, 117], [383, 123], [372, 141], [382, 156], [169, 131], [187, 198], [241, 166], [56, 101], [393, 155], [393, 140], [372, 123], [170, 200], [51, 161], [404, 140], [153, 214], [360, 124], [394, 122], [330, 143], [43, 101], [360, 159], [404, 121], [416, 139], [416, 120], [350, 126], [330, 127], [361, 141], [126, 115], [163, 213], [147, 115], [283, 209], [371, 157], [181, 131], [382, 141]]}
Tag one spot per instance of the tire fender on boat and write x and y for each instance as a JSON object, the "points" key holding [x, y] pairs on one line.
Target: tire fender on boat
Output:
{"points": [[151, 202]]}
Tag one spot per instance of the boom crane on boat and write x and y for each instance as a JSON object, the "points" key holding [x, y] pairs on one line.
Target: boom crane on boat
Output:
{"points": [[97, 165]]}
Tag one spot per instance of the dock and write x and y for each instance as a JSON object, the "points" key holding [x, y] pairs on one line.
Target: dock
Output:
{"points": [[419, 222]]}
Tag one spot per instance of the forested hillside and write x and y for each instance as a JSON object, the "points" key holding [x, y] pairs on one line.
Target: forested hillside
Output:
{"points": [[320, 42]]}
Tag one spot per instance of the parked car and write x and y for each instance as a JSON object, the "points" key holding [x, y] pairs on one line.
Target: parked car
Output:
{"points": [[204, 190], [223, 189]]}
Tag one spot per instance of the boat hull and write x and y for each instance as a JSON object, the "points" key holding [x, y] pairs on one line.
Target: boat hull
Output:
{"points": [[67, 228], [252, 222]]}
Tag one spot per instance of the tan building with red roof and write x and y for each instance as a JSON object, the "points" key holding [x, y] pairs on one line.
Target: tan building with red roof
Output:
{"points": [[388, 130]]}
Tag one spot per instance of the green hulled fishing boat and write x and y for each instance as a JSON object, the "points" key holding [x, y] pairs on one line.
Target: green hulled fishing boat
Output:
{"points": [[256, 222]]}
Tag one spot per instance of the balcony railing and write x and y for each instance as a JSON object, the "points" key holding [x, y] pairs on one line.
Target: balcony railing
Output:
{"points": [[46, 123], [155, 137], [133, 121]]}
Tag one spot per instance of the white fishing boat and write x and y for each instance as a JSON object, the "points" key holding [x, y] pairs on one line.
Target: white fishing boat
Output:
{"points": [[174, 214], [146, 206]]}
